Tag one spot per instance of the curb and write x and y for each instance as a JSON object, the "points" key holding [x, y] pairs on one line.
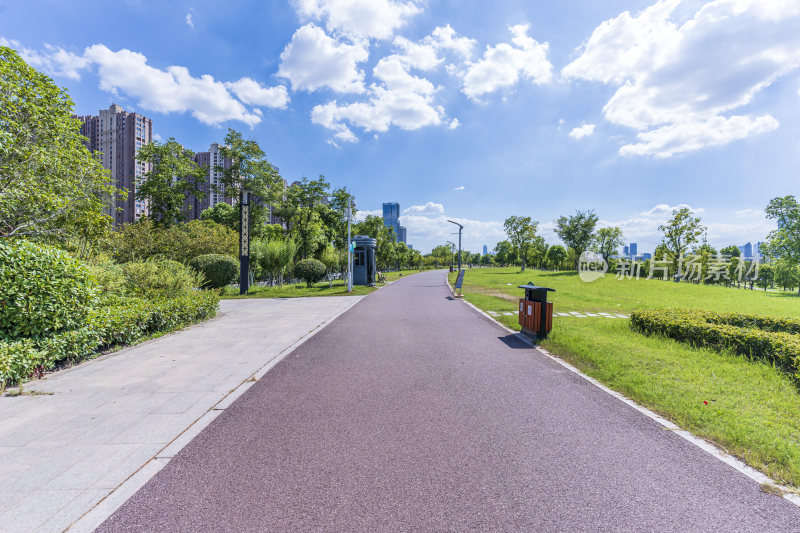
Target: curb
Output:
{"points": [[708, 447]]}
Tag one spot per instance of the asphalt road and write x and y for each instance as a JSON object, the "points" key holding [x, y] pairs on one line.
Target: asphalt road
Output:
{"points": [[412, 412]]}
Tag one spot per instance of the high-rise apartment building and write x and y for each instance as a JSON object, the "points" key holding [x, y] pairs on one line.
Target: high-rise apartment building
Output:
{"points": [[391, 219], [118, 135], [633, 249]]}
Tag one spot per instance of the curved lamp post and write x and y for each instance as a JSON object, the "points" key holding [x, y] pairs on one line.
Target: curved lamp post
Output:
{"points": [[460, 227]]}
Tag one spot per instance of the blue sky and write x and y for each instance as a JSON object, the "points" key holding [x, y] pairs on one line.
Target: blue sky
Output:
{"points": [[467, 110]]}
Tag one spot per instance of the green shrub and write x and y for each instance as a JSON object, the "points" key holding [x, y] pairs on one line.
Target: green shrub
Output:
{"points": [[127, 323], [772, 339], [143, 240], [218, 270], [43, 290], [310, 271], [159, 278], [108, 278]]}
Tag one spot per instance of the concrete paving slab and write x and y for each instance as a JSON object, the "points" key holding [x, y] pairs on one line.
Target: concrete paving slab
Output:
{"points": [[66, 453]]}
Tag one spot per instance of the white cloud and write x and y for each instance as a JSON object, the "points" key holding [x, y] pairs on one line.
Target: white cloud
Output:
{"points": [[167, 91], [685, 137], [401, 100], [681, 70], [360, 18], [313, 60], [361, 215], [582, 131], [444, 38], [455, 123], [251, 92], [171, 90], [54, 61], [665, 210], [430, 208], [459, 188], [503, 65], [189, 20]]}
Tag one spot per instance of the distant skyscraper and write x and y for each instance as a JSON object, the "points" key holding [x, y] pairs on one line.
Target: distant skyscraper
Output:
{"points": [[633, 248], [625, 251], [119, 135], [391, 219], [746, 250], [485, 249]]}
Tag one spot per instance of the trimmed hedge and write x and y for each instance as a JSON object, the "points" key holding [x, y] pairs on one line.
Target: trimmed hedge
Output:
{"points": [[127, 322], [219, 270], [775, 340], [43, 290]]}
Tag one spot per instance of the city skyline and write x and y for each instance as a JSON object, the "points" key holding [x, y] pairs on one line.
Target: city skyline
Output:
{"points": [[462, 114]]}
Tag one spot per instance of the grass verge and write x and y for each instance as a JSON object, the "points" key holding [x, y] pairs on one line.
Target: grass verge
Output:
{"points": [[748, 408]]}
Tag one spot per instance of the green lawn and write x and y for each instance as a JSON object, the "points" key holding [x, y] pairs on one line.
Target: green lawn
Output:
{"points": [[338, 288], [752, 409]]}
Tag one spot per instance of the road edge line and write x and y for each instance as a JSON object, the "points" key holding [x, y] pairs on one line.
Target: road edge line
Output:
{"points": [[708, 447]]}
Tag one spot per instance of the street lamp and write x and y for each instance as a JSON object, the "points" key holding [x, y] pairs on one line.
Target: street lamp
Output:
{"points": [[452, 253], [349, 213], [460, 227]]}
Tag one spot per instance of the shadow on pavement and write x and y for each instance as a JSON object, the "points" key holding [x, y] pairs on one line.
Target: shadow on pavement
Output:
{"points": [[512, 341]]}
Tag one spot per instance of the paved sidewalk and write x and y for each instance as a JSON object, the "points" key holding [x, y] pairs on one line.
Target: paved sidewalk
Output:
{"points": [[413, 412], [63, 453]]}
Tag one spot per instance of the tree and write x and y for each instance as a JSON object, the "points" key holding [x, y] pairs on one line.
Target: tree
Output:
{"points": [[51, 186], [766, 276], [577, 232], [330, 258], [249, 170], [731, 251], [521, 231], [301, 210], [680, 233], [784, 242], [787, 275], [223, 214], [505, 254], [607, 241], [173, 178], [556, 255]]}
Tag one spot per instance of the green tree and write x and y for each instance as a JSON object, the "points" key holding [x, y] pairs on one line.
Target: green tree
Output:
{"points": [[301, 210], [223, 214], [330, 258], [51, 186], [682, 231], [577, 232], [249, 170], [731, 251], [607, 241], [556, 255], [505, 254], [787, 275], [521, 232], [173, 178], [784, 242], [766, 276]]}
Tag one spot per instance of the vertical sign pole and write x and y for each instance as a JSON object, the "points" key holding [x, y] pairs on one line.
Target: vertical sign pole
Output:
{"points": [[349, 252], [244, 242]]}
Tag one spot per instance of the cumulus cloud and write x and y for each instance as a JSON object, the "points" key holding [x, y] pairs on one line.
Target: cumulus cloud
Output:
{"points": [[430, 208], [665, 210], [503, 65], [681, 71], [685, 137], [582, 131], [251, 92], [53, 60], [360, 18], [312, 60], [169, 90], [397, 98], [189, 20]]}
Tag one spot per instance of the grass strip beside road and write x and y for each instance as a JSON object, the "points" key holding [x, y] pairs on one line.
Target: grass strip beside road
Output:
{"points": [[299, 290], [748, 408]]}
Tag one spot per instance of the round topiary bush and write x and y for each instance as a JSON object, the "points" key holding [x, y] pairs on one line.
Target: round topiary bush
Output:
{"points": [[160, 278], [43, 290], [310, 271], [218, 270]]}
